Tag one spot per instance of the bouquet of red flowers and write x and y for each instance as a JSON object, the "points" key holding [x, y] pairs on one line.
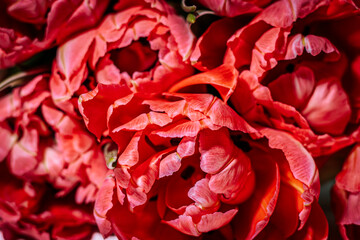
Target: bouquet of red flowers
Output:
{"points": [[192, 119]]}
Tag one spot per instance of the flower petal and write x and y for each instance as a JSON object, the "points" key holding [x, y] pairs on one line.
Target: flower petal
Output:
{"points": [[334, 110], [103, 204], [94, 105], [202, 195], [349, 178], [222, 78], [215, 220], [293, 88], [256, 211]]}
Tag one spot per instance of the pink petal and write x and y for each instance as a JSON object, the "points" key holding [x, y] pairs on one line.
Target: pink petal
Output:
{"points": [[202, 195], [334, 109], [348, 178], [293, 88], [103, 204], [207, 223], [72, 55], [215, 148], [51, 115], [181, 32], [145, 119], [144, 177], [312, 44], [21, 160], [170, 164], [138, 123], [63, 89], [123, 177], [215, 220], [106, 72], [186, 147], [8, 140], [284, 13], [236, 181], [222, 115], [185, 224], [130, 155], [28, 11], [54, 162], [302, 167], [268, 50], [301, 163], [173, 109], [10, 104], [66, 19], [179, 129], [346, 211], [241, 44]]}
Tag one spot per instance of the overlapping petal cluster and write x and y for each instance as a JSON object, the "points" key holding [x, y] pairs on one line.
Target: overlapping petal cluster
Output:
{"points": [[144, 44], [148, 126], [30, 26], [190, 162]]}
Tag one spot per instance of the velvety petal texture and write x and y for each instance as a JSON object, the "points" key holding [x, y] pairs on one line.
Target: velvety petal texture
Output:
{"points": [[44, 143], [194, 165], [144, 45], [30, 26], [288, 70], [162, 119]]}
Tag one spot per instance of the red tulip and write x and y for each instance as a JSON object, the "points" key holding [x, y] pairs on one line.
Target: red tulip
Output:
{"points": [[145, 45], [30, 26], [43, 143], [188, 161]]}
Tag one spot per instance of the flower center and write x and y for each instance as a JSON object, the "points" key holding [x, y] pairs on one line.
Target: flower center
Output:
{"points": [[137, 57]]}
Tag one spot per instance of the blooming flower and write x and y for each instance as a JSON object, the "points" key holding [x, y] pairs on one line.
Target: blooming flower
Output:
{"points": [[150, 126], [190, 162], [288, 69], [41, 142], [30, 26], [145, 44], [28, 210]]}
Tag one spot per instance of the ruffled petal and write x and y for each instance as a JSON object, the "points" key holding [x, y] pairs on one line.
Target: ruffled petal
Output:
{"points": [[94, 106], [202, 194], [311, 43], [179, 129], [215, 220], [301, 163]]}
